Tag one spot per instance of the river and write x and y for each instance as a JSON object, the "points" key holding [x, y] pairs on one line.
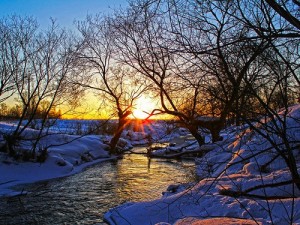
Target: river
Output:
{"points": [[84, 197]]}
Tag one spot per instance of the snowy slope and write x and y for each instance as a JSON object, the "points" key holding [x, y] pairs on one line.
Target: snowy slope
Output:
{"points": [[242, 177], [67, 154]]}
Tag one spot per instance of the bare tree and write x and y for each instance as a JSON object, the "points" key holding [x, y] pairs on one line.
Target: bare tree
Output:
{"points": [[235, 53], [243, 54], [116, 86], [43, 66], [286, 11], [187, 62], [252, 57], [203, 50], [11, 51], [144, 46], [279, 78]]}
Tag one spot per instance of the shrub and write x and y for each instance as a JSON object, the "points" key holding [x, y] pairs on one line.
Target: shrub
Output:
{"points": [[42, 155]]}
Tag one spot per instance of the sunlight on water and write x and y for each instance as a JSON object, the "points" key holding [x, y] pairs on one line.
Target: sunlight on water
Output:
{"points": [[147, 180], [85, 197]]}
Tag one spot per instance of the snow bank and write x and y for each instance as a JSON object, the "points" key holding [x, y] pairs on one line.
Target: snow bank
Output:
{"points": [[244, 176], [67, 154], [223, 221]]}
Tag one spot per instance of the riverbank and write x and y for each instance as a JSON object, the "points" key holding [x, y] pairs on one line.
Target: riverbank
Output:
{"points": [[83, 198], [66, 155], [245, 176]]}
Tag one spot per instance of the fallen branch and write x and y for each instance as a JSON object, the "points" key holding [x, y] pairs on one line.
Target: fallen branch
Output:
{"points": [[236, 194], [177, 155]]}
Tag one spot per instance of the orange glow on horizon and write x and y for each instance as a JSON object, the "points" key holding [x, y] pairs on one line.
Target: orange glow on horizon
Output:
{"points": [[90, 110]]}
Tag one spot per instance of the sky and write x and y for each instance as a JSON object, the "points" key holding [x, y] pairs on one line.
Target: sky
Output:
{"points": [[64, 11]]}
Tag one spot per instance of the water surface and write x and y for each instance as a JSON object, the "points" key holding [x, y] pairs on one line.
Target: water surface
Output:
{"points": [[84, 197]]}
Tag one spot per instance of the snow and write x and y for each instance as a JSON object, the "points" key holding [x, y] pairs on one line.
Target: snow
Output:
{"points": [[223, 221], [231, 173], [67, 154]]}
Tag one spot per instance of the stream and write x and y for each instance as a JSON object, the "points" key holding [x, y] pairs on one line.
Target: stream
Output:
{"points": [[84, 197]]}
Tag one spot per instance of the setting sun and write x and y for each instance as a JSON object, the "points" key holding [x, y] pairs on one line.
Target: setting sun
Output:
{"points": [[143, 108]]}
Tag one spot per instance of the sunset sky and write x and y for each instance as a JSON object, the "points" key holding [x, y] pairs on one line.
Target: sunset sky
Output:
{"points": [[64, 11]]}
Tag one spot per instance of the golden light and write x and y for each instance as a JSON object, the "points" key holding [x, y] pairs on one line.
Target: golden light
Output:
{"points": [[143, 107]]}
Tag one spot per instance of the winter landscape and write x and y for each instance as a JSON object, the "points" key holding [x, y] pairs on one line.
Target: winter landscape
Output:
{"points": [[161, 112], [241, 176]]}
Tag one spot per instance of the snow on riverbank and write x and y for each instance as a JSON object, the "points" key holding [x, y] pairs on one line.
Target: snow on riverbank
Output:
{"points": [[244, 176], [67, 155]]}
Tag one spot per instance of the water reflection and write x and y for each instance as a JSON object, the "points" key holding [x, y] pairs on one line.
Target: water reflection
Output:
{"points": [[85, 197], [145, 181]]}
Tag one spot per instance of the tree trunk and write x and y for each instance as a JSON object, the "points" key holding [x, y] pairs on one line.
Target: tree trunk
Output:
{"points": [[114, 141], [291, 162], [121, 126], [214, 126], [194, 131], [215, 133]]}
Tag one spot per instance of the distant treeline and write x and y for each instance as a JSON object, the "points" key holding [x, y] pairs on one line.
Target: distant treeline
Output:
{"points": [[15, 112]]}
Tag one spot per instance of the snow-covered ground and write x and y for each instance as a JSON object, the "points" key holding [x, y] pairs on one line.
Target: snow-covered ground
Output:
{"points": [[244, 178], [66, 155], [240, 179]]}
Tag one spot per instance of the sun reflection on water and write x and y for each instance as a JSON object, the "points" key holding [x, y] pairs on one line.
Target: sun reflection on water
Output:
{"points": [[86, 196], [138, 178]]}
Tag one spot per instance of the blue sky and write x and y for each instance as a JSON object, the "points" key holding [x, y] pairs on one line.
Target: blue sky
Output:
{"points": [[64, 11]]}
